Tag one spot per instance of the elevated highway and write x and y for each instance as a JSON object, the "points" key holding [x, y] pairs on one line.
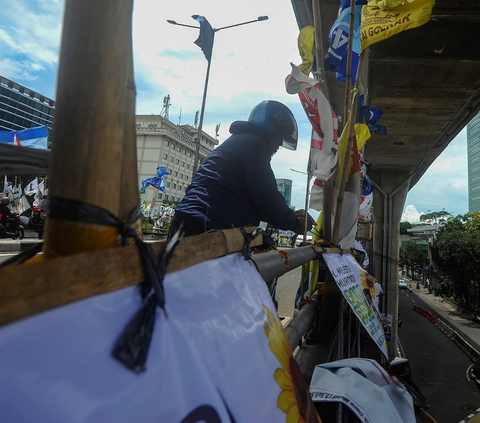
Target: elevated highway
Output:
{"points": [[427, 82]]}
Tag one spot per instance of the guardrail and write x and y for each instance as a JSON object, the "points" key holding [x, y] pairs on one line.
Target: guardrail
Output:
{"points": [[468, 349]]}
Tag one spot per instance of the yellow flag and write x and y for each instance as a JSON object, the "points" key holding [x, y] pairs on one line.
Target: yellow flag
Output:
{"points": [[389, 3], [362, 134], [305, 47], [380, 22]]}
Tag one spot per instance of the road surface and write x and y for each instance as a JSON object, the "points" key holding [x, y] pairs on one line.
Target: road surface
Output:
{"points": [[439, 367]]}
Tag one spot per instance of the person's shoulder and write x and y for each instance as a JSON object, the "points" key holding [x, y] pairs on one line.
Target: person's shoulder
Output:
{"points": [[246, 143]]}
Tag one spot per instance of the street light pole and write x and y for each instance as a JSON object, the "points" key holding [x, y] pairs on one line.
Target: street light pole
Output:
{"points": [[202, 112]]}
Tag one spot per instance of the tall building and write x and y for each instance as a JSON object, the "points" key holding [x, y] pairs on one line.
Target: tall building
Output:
{"points": [[473, 152], [285, 188], [162, 143], [22, 108]]}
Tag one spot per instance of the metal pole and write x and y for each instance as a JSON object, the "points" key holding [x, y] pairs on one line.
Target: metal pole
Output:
{"points": [[202, 112]]}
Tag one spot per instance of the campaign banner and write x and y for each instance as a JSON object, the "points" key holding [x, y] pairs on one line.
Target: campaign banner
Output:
{"points": [[352, 281], [218, 353]]}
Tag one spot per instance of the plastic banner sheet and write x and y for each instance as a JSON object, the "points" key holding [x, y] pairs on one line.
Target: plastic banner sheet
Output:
{"points": [[218, 354], [366, 388], [352, 281]]}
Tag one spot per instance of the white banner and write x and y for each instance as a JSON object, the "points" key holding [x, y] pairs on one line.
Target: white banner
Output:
{"points": [[352, 281], [218, 354], [365, 388]]}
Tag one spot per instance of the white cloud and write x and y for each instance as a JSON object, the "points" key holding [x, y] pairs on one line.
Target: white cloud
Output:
{"points": [[411, 214]]}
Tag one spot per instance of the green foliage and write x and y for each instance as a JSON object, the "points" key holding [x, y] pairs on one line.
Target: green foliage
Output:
{"points": [[404, 226], [435, 217], [414, 252], [457, 254], [473, 225]]}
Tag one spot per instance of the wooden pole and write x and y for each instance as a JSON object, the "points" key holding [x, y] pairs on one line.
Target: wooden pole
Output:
{"points": [[87, 154], [129, 196], [348, 85], [346, 160], [302, 281], [319, 52]]}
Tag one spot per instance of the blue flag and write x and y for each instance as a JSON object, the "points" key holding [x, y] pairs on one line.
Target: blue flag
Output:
{"points": [[205, 39], [371, 114], [346, 3], [31, 137], [377, 129], [155, 181], [336, 58], [368, 186]]}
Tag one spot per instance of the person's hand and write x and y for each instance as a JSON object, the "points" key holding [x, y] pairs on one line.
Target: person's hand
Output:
{"points": [[302, 216]]}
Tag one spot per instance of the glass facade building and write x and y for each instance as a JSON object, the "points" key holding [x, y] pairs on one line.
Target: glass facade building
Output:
{"points": [[473, 151], [285, 188], [22, 108]]}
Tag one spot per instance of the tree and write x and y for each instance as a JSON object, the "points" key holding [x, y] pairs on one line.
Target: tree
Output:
{"points": [[404, 226], [413, 254]]}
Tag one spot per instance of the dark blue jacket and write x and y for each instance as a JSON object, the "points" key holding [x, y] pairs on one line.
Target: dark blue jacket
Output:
{"points": [[235, 187]]}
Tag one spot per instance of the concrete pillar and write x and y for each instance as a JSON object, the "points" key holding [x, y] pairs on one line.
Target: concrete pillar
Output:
{"points": [[388, 204]]}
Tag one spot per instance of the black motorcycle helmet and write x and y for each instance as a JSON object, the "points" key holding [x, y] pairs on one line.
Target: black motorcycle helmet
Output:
{"points": [[5, 201], [273, 117]]}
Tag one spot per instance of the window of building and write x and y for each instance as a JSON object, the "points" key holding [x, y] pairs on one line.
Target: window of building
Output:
{"points": [[184, 189], [188, 166], [179, 187], [159, 196], [167, 184], [184, 151], [173, 146], [183, 164], [171, 158], [172, 198], [137, 125], [175, 173], [166, 143], [179, 149], [152, 125], [174, 186], [186, 177], [165, 156], [177, 161], [170, 171], [178, 198], [181, 175], [189, 154]]}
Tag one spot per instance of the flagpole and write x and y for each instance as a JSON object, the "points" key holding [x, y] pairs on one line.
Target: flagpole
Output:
{"points": [[319, 54], [202, 112], [348, 150], [348, 86]]}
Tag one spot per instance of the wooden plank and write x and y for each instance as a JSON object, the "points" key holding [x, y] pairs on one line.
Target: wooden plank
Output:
{"points": [[29, 289]]}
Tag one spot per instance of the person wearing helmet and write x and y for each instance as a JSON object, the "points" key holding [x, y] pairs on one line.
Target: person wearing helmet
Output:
{"points": [[4, 210], [235, 185]]}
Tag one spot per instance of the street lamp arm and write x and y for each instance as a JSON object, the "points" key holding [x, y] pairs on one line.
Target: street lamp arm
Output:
{"points": [[179, 24], [259, 19]]}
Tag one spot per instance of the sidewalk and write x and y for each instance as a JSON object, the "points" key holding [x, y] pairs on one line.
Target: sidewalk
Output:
{"points": [[455, 317]]}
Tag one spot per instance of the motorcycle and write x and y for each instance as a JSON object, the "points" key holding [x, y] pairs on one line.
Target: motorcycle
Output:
{"points": [[13, 228]]}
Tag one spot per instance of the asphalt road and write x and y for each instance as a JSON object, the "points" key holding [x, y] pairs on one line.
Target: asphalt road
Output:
{"points": [[439, 367]]}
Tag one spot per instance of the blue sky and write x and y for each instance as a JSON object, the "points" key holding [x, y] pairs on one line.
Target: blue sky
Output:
{"points": [[249, 65]]}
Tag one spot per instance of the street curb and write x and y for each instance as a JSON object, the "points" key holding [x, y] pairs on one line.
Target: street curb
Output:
{"points": [[14, 246], [469, 350]]}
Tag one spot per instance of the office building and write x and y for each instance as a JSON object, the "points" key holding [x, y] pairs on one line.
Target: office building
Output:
{"points": [[22, 108], [162, 143], [473, 153], [285, 188]]}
